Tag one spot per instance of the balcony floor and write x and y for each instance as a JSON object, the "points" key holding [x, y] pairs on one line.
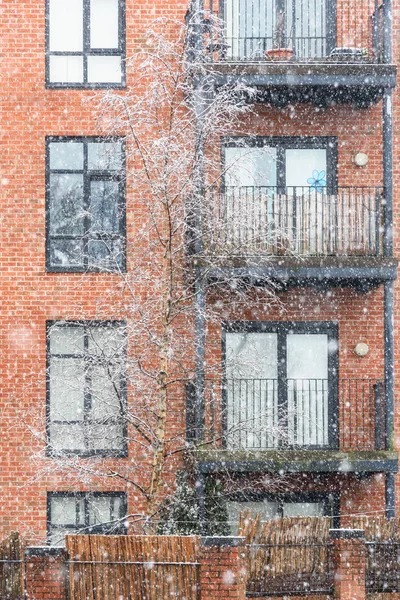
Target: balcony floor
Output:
{"points": [[354, 271], [319, 82], [296, 461]]}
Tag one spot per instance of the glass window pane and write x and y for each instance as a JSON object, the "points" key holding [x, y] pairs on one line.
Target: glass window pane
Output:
{"points": [[104, 24], [57, 536], [66, 156], [63, 510], [66, 204], [249, 27], [100, 255], [250, 166], [66, 253], [104, 196], [105, 254], [104, 156], [99, 510], [66, 389], [116, 508], [106, 437], [303, 509], [268, 510], [68, 437], [306, 167], [307, 356], [310, 28], [104, 69], [251, 355], [66, 69], [107, 341], [66, 25], [105, 394], [66, 340]]}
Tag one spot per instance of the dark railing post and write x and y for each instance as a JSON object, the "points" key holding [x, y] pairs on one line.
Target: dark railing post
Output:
{"points": [[378, 414]]}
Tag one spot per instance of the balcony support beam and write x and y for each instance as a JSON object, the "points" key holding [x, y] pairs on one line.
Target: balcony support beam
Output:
{"points": [[365, 276], [312, 461]]}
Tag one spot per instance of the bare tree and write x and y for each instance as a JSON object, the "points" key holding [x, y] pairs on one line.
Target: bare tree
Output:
{"points": [[121, 388]]}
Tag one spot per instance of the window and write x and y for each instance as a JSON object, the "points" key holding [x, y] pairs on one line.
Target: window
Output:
{"points": [[85, 204], [254, 26], [86, 388], [84, 512], [287, 162], [280, 384], [279, 196], [283, 505], [85, 41]]}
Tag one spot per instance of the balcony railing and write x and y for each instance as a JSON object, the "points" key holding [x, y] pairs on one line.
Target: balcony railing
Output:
{"points": [[299, 221], [303, 30], [271, 414]]}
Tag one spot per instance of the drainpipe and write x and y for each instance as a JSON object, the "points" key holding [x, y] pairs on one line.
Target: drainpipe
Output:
{"points": [[388, 251]]}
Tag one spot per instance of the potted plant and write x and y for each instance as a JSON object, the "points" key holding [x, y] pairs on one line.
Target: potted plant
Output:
{"points": [[280, 49]]}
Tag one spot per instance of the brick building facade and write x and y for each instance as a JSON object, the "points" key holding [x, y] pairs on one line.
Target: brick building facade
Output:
{"points": [[306, 424]]}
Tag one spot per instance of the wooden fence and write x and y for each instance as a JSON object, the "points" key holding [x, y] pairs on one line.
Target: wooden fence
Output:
{"points": [[11, 568], [133, 567], [287, 556]]}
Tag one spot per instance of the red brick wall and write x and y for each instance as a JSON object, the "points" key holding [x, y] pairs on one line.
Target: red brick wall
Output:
{"points": [[46, 574], [349, 561], [222, 570], [30, 296]]}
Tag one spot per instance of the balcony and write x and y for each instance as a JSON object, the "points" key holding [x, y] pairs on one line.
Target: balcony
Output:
{"points": [[291, 425], [297, 234], [299, 51]]}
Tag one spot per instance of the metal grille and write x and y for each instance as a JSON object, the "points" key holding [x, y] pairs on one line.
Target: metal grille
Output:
{"points": [[382, 567], [280, 569]]}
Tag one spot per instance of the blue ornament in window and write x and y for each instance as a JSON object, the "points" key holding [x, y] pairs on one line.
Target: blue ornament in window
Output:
{"points": [[317, 181]]}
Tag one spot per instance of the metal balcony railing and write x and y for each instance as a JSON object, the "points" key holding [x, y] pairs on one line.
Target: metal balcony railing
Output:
{"points": [[348, 31], [299, 221], [270, 414]]}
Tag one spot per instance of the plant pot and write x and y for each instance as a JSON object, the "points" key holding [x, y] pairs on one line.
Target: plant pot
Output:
{"points": [[279, 54]]}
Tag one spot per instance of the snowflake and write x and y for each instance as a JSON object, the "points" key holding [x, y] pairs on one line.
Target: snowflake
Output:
{"points": [[317, 181]]}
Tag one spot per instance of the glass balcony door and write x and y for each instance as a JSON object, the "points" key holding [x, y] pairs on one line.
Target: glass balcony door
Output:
{"points": [[280, 386], [278, 195], [254, 26]]}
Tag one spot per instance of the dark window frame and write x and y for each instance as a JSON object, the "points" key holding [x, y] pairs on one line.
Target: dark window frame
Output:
{"points": [[119, 529], [88, 176], [112, 453], [280, 7], [330, 500], [283, 143], [283, 329], [120, 51]]}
